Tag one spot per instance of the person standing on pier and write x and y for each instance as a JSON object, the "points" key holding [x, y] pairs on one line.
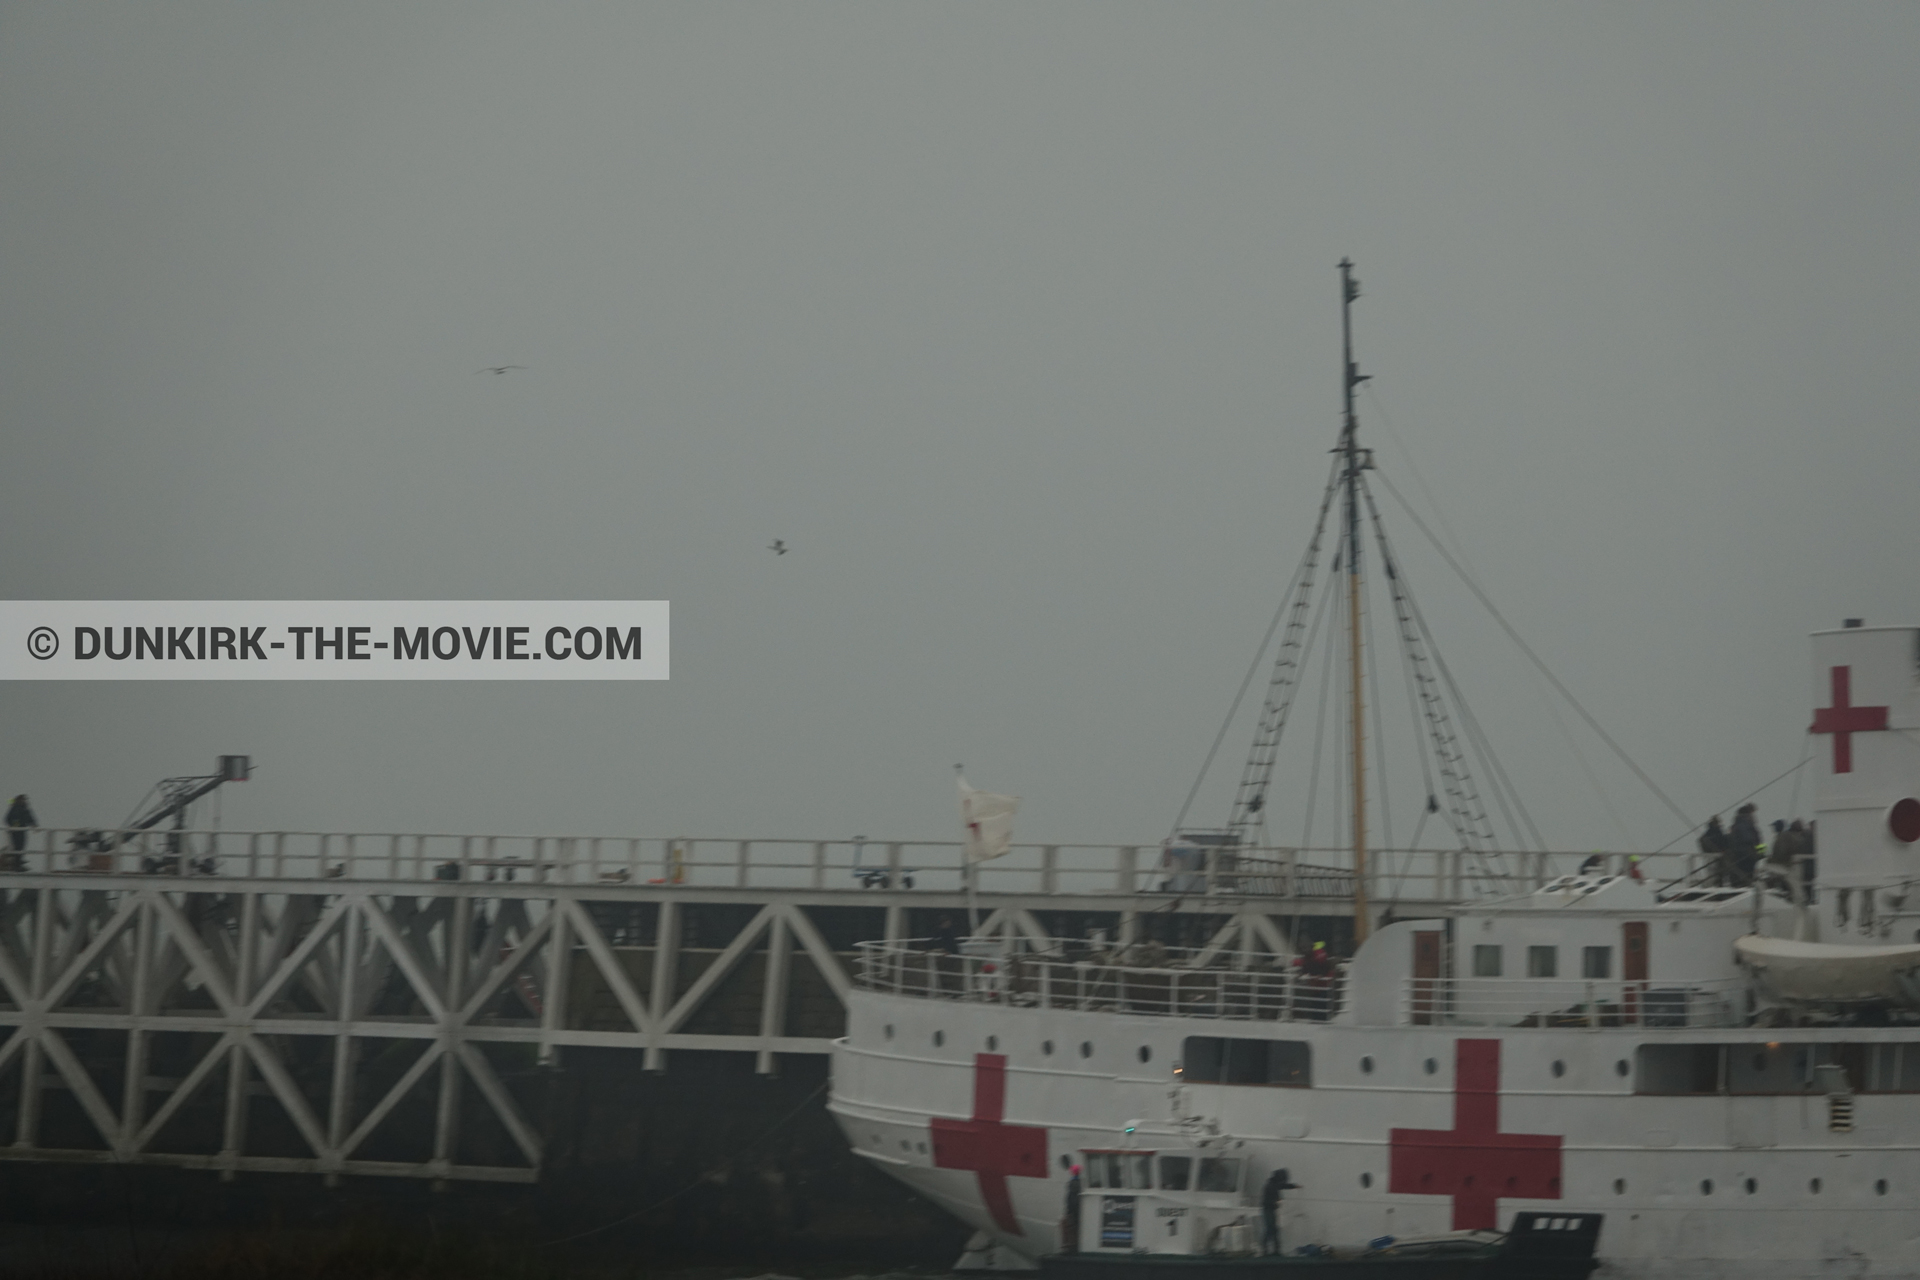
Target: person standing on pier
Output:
{"points": [[20, 820]]}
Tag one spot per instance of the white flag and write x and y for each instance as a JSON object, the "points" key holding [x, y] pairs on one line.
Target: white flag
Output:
{"points": [[989, 820]]}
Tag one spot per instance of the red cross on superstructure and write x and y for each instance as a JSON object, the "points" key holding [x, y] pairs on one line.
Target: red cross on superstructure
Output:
{"points": [[984, 1144], [1474, 1162], [1843, 719]]}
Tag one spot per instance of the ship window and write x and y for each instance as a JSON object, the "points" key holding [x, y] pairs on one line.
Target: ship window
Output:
{"points": [[1543, 962], [1768, 1068], [1232, 1060], [1559, 1067], [1814, 1186], [1145, 1053], [1116, 1171], [1366, 1180], [1887, 1068], [1219, 1173], [1880, 1187], [1596, 962], [1139, 1172], [1486, 960], [939, 1038], [1046, 1048], [1679, 1068], [1366, 1066], [1706, 1187], [1086, 1048], [1097, 1172], [993, 1042], [1752, 1186], [889, 1031], [1175, 1172], [1619, 1186]]}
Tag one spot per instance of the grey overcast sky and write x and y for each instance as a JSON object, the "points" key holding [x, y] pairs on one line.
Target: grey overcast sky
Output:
{"points": [[1018, 322]]}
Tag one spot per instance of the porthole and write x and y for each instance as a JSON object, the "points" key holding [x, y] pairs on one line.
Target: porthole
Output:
{"points": [[1619, 1186], [1366, 1180], [1086, 1048], [939, 1038], [923, 1148], [993, 1043], [905, 1145], [1621, 1068], [1066, 1162], [1429, 1066], [1706, 1187], [1046, 1048], [1559, 1068], [1814, 1186], [1146, 1053], [1880, 1187], [1751, 1186], [1366, 1066], [889, 1031]]}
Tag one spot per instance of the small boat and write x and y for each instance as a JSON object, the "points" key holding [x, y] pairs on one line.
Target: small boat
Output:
{"points": [[1181, 1212]]}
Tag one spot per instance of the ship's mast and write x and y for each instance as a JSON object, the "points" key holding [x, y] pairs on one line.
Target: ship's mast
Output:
{"points": [[1351, 378]]}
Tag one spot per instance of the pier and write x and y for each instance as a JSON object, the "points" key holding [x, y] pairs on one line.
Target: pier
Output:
{"points": [[395, 1005]]}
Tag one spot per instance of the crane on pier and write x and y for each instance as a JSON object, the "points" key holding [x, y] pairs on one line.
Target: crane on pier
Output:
{"points": [[169, 798]]}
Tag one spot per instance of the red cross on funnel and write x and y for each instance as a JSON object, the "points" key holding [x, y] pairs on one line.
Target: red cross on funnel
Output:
{"points": [[991, 1149], [1474, 1162], [1843, 719]]}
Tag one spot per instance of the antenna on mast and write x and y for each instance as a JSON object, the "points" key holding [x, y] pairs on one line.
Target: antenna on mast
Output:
{"points": [[1355, 461]]}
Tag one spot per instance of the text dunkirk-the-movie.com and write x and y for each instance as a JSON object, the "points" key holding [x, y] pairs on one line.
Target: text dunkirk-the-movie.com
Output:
{"points": [[333, 640]]}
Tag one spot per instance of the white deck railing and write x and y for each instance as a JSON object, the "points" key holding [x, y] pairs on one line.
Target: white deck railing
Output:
{"points": [[1150, 979], [1415, 875], [1206, 983]]}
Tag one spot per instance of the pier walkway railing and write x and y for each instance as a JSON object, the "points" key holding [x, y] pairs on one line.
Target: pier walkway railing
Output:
{"points": [[389, 1004], [1409, 875]]}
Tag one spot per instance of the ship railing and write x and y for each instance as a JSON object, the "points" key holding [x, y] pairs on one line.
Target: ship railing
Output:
{"points": [[1066, 974], [1076, 870], [1572, 1003]]}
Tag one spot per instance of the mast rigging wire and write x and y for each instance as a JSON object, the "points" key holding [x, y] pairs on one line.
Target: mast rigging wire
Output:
{"points": [[1534, 658], [1286, 599], [1455, 767], [1319, 730]]}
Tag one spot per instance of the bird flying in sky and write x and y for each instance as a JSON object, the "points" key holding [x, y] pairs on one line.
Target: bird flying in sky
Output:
{"points": [[500, 368], [779, 546]]}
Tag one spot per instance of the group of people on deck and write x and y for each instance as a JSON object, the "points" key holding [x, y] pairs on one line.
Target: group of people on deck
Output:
{"points": [[1741, 854]]}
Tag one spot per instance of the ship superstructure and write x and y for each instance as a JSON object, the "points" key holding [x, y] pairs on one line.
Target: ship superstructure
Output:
{"points": [[1729, 1071]]}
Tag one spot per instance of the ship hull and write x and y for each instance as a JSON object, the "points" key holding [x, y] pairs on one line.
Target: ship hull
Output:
{"points": [[1391, 1136]]}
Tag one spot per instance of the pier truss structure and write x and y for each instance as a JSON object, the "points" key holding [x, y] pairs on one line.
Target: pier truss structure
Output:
{"points": [[399, 1005]]}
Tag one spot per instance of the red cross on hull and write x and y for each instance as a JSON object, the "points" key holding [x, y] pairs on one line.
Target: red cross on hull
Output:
{"points": [[1474, 1162], [992, 1149], [1843, 719]]}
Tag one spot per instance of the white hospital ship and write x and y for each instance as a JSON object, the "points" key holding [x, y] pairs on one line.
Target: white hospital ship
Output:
{"points": [[1731, 1075]]}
